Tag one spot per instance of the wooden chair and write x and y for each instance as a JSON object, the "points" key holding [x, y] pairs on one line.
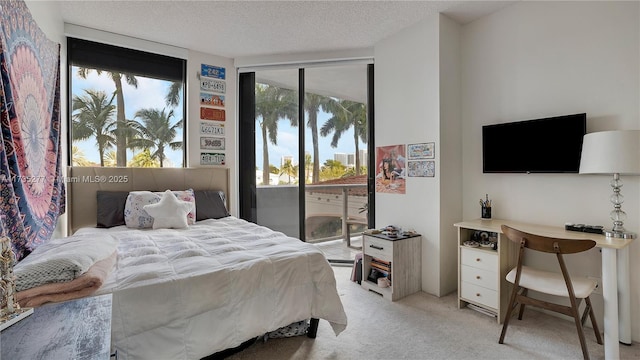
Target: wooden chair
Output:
{"points": [[525, 278]]}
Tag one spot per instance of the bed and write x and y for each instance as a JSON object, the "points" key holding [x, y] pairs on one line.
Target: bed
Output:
{"points": [[189, 293]]}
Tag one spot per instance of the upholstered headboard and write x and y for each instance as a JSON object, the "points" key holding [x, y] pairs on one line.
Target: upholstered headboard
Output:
{"points": [[84, 182]]}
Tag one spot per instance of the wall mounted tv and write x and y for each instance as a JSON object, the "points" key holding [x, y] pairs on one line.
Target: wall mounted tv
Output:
{"points": [[549, 145]]}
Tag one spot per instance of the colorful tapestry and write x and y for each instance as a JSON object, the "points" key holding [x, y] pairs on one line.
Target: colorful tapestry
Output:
{"points": [[32, 193]]}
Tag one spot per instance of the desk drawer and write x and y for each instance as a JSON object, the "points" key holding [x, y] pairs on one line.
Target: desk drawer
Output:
{"points": [[481, 259], [379, 248], [480, 277], [479, 294]]}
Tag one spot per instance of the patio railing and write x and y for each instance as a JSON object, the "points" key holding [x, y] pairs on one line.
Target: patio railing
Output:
{"points": [[278, 209]]}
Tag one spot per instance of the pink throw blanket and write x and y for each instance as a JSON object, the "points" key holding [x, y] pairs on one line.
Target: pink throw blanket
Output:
{"points": [[84, 285]]}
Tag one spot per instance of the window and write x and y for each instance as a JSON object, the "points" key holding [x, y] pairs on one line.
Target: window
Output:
{"points": [[126, 107]]}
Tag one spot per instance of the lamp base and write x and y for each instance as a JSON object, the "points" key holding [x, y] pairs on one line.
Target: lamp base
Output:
{"points": [[619, 234]]}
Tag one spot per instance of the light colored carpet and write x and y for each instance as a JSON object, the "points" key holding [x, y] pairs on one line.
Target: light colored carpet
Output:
{"points": [[422, 326]]}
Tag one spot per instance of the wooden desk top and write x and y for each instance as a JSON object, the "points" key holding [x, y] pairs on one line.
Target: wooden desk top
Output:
{"points": [[544, 230]]}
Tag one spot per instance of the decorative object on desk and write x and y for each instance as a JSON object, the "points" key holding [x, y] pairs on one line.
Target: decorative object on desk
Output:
{"points": [[613, 152], [594, 229], [485, 206], [486, 244], [410, 232], [471, 243], [391, 231], [10, 311]]}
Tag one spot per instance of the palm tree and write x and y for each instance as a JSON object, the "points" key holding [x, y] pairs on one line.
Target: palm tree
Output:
{"points": [[110, 158], [312, 104], [307, 165], [93, 117], [173, 96], [346, 114], [332, 169], [289, 169], [143, 159], [272, 104], [78, 158], [121, 123], [156, 131]]}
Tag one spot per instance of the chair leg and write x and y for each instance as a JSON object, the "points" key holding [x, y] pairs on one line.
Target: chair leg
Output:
{"points": [[576, 318], [524, 293], [594, 323], [514, 294]]}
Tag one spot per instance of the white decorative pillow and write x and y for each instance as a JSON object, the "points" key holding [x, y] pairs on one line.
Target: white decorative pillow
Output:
{"points": [[136, 217], [169, 212]]}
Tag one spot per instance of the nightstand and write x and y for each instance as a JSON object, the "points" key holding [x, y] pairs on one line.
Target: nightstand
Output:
{"points": [[75, 329], [398, 257]]}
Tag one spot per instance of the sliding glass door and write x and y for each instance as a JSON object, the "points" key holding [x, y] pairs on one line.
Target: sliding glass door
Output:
{"points": [[306, 134]]}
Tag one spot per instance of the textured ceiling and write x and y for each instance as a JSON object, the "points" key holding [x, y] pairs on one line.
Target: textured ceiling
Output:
{"points": [[250, 28]]}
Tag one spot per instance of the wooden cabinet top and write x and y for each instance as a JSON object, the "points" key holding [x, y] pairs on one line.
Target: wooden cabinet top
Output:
{"points": [[399, 237]]}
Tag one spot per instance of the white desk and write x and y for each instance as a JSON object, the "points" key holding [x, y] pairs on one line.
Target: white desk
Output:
{"points": [[615, 276]]}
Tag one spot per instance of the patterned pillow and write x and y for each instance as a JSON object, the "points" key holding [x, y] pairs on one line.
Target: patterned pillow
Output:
{"points": [[136, 217]]}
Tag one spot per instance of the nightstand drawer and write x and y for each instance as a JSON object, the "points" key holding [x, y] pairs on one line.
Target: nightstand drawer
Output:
{"points": [[480, 259], [379, 248], [479, 294], [480, 277]]}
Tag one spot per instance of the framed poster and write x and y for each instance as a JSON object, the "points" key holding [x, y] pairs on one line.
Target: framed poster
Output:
{"points": [[421, 151], [391, 169], [211, 128], [210, 158], [422, 168], [211, 143]]}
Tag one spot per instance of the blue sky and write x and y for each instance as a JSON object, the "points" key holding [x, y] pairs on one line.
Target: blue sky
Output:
{"points": [[149, 94]]}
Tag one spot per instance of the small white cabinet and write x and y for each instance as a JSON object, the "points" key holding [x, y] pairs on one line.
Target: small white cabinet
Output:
{"points": [[482, 271], [401, 256]]}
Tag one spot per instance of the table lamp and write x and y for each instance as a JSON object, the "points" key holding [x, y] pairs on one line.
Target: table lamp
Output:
{"points": [[613, 152]]}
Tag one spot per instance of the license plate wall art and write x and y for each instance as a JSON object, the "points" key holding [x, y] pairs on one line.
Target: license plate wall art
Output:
{"points": [[213, 86], [211, 128], [212, 158], [212, 143]]}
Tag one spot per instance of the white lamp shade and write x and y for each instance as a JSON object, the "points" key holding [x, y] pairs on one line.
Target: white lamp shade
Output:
{"points": [[610, 152]]}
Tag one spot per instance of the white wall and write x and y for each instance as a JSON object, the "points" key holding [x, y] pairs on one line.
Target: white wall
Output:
{"points": [[407, 110], [538, 59], [450, 152]]}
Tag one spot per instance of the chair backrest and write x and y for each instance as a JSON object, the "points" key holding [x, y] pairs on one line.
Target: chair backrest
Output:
{"points": [[547, 244]]}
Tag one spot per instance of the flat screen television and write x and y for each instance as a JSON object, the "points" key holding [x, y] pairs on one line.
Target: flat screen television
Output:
{"points": [[549, 145]]}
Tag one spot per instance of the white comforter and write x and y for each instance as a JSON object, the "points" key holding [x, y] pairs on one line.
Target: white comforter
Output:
{"points": [[185, 294]]}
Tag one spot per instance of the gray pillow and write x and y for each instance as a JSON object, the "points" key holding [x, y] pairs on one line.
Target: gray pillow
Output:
{"points": [[110, 211], [210, 204]]}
